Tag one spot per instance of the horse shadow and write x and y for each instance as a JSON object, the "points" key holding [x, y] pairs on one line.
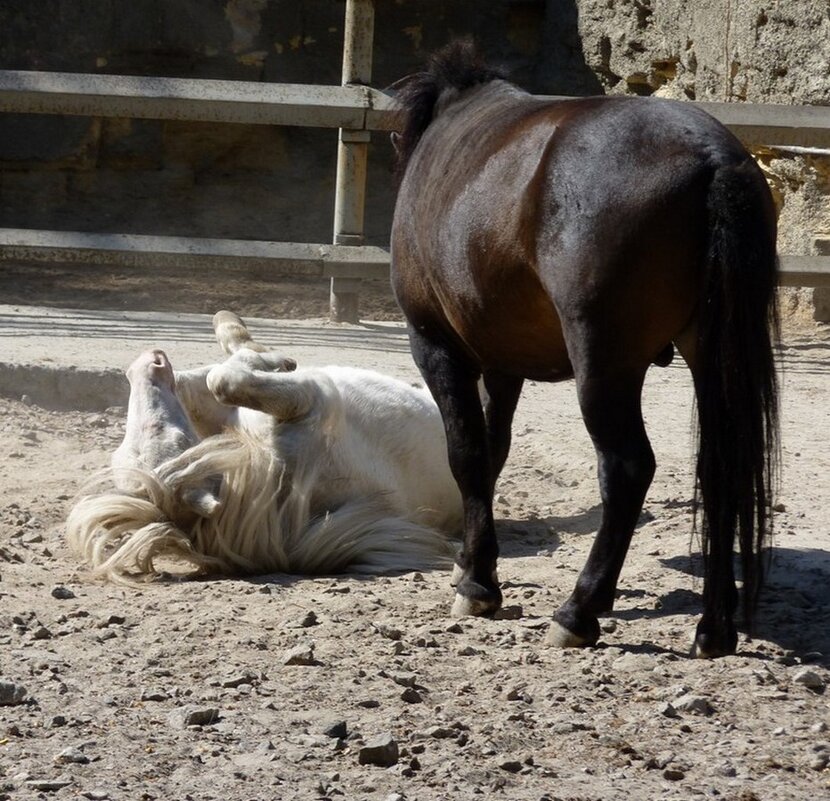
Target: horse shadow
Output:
{"points": [[793, 611], [794, 607]]}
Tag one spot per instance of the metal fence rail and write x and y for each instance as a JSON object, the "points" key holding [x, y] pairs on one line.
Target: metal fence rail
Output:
{"points": [[355, 109]]}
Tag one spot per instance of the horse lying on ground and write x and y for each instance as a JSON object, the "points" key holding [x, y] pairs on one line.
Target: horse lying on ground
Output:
{"points": [[584, 239], [253, 466]]}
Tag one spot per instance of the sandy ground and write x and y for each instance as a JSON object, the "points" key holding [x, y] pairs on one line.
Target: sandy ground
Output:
{"points": [[475, 708]]}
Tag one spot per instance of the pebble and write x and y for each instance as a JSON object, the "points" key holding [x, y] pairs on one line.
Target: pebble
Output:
{"points": [[62, 593], [696, 704], [111, 620], [809, 679], [668, 710], [154, 695], [11, 694], [193, 716], [247, 677], [72, 756], [302, 654], [381, 751], [48, 785], [673, 774], [515, 612], [307, 621], [390, 632], [609, 626], [41, 633], [468, 650], [511, 765], [411, 696], [334, 728], [820, 762]]}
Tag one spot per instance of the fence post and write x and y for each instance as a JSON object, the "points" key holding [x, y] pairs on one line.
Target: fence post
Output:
{"points": [[352, 153]]}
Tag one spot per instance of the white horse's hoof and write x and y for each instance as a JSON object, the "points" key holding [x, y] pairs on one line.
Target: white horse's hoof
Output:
{"points": [[560, 637]]}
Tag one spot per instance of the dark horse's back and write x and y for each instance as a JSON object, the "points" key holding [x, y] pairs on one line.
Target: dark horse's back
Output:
{"points": [[586, 238], [571, 207]]}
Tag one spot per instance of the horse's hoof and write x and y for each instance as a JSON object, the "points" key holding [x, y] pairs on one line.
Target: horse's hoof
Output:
{"points": [[475, 600], [709, 646], [458, 575], [560, 637]]}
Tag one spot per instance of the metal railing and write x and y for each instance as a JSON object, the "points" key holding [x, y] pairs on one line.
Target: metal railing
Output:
{"points": [[356, 109]]}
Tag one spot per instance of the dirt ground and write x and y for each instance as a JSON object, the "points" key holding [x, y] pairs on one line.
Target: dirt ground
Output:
{"points": [[474, 708]]}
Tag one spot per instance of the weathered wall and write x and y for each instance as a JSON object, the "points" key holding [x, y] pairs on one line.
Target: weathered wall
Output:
{"points": [[247, 181]]}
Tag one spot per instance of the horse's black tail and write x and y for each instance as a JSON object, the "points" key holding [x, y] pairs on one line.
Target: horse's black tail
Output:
{"points": [[737, 392], [458, 66]]}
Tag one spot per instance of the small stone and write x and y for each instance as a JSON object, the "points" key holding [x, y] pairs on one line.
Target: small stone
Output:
{"points": [[11, 694], [411, 696], [418, 577], [193, 716], [154, 695], [511, 765], [72, 756], [302, 654], [55, 722], [696, 704], [336, 729], [26, 400], [441, 732], [515, 612], [369, 703], [673, 774], [820, 762], [818, 728], [62, 593], [668, 710], [232, 682], [468, 650], [779, 507], [809, 679], [48, 785], [609, 626], [111, 620], [308, 620], [390, 632], [381, 751], [41, 633]]}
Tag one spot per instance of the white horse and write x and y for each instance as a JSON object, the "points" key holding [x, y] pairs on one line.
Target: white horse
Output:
{"points": [[251, 466]]}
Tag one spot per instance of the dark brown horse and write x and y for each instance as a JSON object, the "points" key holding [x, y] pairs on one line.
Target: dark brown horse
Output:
{"points": [[583, 239]]}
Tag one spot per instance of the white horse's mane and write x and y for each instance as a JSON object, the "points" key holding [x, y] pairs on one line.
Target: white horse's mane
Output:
{"points": [[263, 522]]}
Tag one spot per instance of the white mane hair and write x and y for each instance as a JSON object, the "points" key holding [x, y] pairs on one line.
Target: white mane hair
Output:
{"points": [[263, 521]]}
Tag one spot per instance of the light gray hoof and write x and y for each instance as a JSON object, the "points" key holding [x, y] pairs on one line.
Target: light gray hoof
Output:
{"points": [[560, 637], [469, 607]]}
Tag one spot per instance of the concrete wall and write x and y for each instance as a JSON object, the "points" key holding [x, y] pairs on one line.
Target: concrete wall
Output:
{"points": [[248, 181]]}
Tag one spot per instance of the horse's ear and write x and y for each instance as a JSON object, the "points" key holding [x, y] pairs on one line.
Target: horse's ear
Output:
{"points": [[395, 138]]}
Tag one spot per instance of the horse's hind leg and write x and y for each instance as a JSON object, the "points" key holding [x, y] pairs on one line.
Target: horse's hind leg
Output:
{"points": [[611, 410], [453, 383], [500, 395]]}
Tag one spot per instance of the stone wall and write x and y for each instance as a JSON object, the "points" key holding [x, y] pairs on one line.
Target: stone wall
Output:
{"points": [[260, 182]]}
